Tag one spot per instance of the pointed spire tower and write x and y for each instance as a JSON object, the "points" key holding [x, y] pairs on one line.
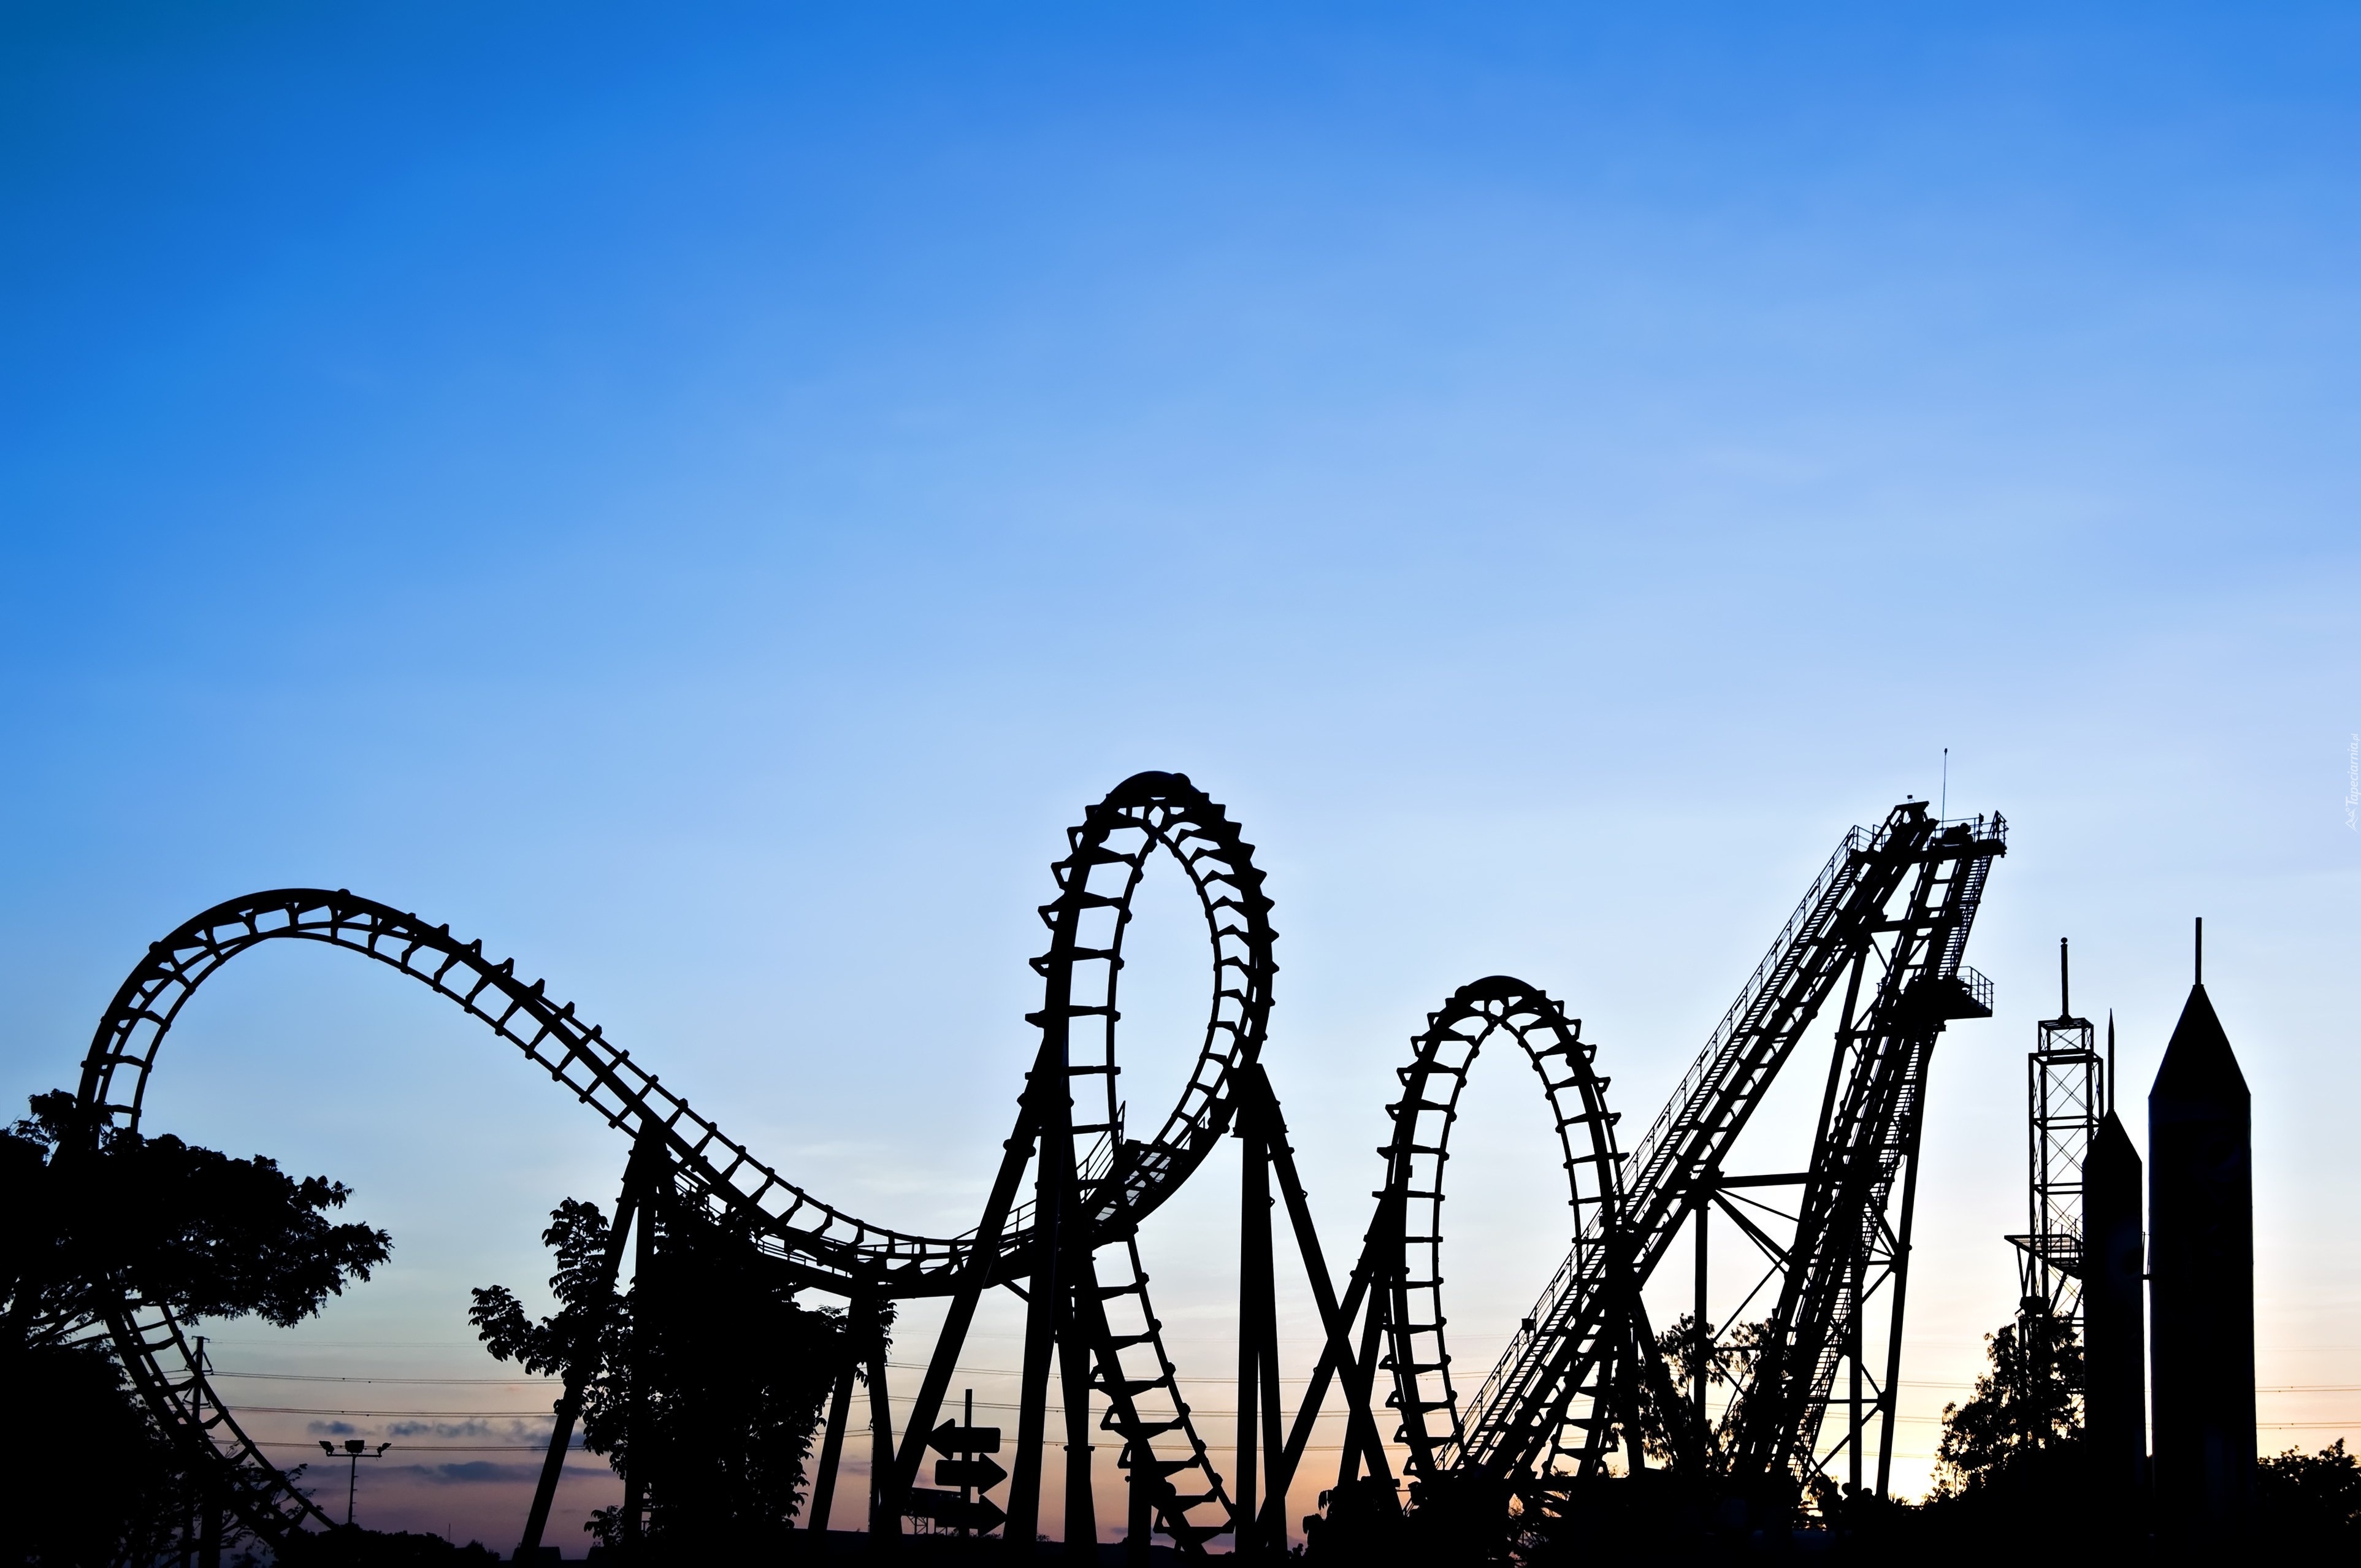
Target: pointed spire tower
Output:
{"points": [[2202, 1269], [2115, 1351]]}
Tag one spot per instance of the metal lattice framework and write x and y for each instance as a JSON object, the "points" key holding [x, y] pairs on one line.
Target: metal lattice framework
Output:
{"points": [[1886, 920], [2066, 1094]]}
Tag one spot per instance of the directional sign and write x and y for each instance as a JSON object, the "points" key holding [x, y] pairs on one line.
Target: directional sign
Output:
{"points": [[982, 1474], [951, 1440], [947, 1509]]}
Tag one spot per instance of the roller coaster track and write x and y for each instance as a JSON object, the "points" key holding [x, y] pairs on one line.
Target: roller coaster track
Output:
{"points": [[1867, 1131], [1123, 1181], [1899, 901], [1848, 920], [1416, 1352]]}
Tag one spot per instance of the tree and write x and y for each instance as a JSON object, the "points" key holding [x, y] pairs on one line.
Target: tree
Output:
{"points": [[702, 1384], [1689, 1354], [350, 1546], [95, 1213], [2010, 1465], [90, 1215], [2310, 1499], [1455, 1519], [2027, 1414]]}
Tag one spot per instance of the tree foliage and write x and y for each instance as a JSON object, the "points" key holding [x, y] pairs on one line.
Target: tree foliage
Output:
{"points": [[89, 1214], [2310, 1499], [1451, 1520], [702, 1384], [2027, 1412], [1726, 1360], [93, 1213], [349, 1546], [111, 1485]]}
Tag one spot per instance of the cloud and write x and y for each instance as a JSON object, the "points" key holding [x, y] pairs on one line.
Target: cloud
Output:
{"points": [[528, 1432], [332, 1428], [472, 1473], [439, 1429]]}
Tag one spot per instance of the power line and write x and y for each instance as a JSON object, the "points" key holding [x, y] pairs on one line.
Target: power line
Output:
{"points": [[998, 1371], [2306, 1426], [306, 1411], [324, 1377], [2268, 1388], [575, 1447], [293, 1343], [528, 1381]]}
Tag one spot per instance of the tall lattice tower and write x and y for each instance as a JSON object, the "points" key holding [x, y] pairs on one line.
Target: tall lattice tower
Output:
{"points": [[2067, 1091]]}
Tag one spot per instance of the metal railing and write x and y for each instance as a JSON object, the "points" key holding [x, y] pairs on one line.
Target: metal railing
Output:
{"points": [[1641, 1163]]}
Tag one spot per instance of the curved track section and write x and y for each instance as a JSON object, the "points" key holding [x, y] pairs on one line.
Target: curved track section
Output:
{"points": [[1124, 1180], [1883, 925], [1417, 1348], [1111, 1181], [1108, 858], [831, 1249], [825, 1247]]}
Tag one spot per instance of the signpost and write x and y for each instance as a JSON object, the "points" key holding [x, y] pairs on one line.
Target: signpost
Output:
{"points": [[962, 1445], [978, 1474]]}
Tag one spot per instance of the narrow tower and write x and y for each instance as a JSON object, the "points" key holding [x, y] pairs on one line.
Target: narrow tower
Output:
{"points": [[2115, 1354], [2065, 1095], [2201, 1270]]}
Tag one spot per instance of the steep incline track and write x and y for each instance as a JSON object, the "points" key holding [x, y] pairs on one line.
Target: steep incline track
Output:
{"points": [[1891, 908]]}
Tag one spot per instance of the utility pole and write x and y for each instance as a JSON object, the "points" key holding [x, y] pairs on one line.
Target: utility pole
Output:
{"points": [[356, 1451], [203, 1540]]}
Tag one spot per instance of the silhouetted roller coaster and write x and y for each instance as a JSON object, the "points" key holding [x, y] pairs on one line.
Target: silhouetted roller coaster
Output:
{"points": [[1586, 1383]]}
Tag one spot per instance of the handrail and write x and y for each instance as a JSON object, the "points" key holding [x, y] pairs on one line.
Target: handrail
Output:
{"points": [[1640, 1164]]}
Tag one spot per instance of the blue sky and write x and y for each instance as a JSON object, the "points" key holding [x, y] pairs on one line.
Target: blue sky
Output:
{"points": [[702, 497]]}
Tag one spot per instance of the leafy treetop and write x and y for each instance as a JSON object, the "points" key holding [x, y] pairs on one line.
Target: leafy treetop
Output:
{"points": [[92, 1213]]}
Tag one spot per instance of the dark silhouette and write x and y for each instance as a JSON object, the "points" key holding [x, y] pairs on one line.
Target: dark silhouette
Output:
{"points": [[97, 1210], [2114, 1336], [1851, 1210], [1876, 944], [1724, 1358], [709, 1436], [2310, 1501], [1652, 1517], [91, 1217], [2201, 1267], [1592, 1437], [1451, 1521], [2025, 1411], [113, 1485], [347, 1546]]}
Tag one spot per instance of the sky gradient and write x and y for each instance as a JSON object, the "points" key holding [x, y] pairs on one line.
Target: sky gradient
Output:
{"points": [[701, 498]]}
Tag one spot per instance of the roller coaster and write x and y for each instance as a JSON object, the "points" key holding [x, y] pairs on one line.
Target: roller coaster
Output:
{"points": [[1586, 1386]]}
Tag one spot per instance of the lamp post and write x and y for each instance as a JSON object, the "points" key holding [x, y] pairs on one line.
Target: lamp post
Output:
{"points": [[356, 1451]]}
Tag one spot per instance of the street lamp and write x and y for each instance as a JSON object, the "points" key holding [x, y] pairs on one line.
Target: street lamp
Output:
{"points": [[356, 1451]]}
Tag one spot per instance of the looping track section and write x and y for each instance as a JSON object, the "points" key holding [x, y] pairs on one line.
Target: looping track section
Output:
{"points": [[1417, 1351], [1883, 925]]}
